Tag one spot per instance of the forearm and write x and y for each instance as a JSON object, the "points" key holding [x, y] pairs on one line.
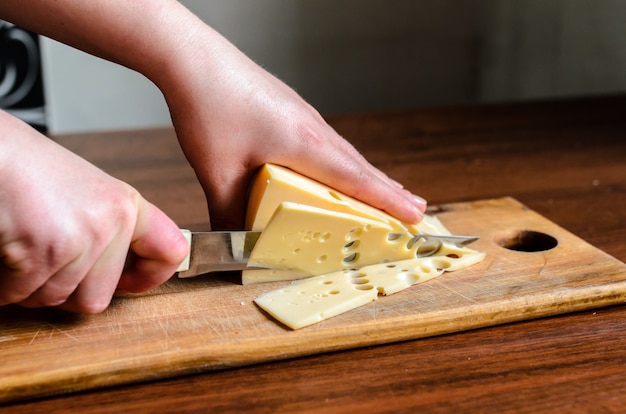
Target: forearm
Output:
{"points": [[144, 35], [230, 115]]}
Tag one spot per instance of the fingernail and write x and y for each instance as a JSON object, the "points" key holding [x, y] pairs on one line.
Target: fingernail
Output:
{"points": [[418, 215], [420, 202]]}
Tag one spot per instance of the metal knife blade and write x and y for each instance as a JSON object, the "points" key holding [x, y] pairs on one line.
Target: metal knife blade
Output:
{"points": [[219, 251]]}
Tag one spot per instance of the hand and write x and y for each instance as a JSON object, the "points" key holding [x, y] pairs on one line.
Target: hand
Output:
{"points": [[231, 116], [66, 228]]}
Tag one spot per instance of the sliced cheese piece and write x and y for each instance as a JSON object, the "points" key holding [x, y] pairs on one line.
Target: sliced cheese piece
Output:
{"points": [[311, 300], [431, 225], [305, 302], [253, 276], [403, 274], [313, 241]]}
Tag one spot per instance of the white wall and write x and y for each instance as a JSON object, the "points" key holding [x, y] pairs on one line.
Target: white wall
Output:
{"points": [[84, 93], [361, 55]]}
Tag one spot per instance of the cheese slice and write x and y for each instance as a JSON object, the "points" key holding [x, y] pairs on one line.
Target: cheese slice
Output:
{"points": [[313, 241], [358, 251], [311, 300], [308, 301], [430, 224], [274, 184]]}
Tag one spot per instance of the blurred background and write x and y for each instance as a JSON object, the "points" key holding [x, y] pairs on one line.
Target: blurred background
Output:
{"points": [[370, 55]]}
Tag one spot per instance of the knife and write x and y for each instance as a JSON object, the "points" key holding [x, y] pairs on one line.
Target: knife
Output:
{"points": [[217, 251], [220, 251]]}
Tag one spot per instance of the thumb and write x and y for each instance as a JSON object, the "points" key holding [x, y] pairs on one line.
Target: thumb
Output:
{"points": [[156, 249]]}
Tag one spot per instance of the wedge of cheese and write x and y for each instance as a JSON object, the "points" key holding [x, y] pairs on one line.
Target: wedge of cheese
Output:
{"points": [[274, 185], [308, 301], [356, 251], [313, 241]]}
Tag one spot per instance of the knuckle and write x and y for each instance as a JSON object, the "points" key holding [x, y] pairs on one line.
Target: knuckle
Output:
{"points": [[17, 258], [20, 272], [309, 136], [10, 297], [48, 297], [120, 206]]}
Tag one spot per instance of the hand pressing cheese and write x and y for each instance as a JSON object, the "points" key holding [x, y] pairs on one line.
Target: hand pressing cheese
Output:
{"points": [[274, 185], [358, 251]]}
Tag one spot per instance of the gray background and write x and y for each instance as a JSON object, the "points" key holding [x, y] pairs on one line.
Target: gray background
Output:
{"points": [[371, 55]]}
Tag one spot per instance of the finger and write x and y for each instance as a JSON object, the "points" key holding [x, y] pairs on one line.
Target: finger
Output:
{"points": [[24, 269], [157, 247], [57, 289], [97, 284], [335, 162], [415, 200]]}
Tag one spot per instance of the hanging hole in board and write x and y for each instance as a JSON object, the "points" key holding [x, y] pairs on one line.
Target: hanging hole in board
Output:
{"points": [[526, 241]]}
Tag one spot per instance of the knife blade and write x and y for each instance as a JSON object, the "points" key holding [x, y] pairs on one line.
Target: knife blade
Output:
{"points": [[217, 251], [220, 251]]}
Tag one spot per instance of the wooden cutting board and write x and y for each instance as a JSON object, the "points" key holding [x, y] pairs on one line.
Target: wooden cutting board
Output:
{"points": [[210, 323]]}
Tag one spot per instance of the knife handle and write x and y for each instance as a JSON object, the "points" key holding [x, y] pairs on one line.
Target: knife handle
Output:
{"points": [[185, 264]]}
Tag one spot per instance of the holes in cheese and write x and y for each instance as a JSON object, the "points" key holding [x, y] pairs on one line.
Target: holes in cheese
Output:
{"points": [[308, 301], [314, 241], [358, 251], [274, 185]]}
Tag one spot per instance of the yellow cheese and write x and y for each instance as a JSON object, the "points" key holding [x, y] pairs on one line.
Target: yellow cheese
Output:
{"points": [[305, 302], [358, 251], [312, 241], [311, 300], [274, 184], [430, 225]]}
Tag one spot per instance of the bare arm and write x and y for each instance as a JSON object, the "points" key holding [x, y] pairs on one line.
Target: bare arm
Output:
{"points": [[230, 115]]}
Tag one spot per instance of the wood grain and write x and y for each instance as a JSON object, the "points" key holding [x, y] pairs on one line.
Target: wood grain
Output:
{"points": [[189, 326], [563, 159]]}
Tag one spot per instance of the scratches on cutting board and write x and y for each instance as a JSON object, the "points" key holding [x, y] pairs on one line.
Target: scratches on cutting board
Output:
{"points": [[458, 293], [49, 332], [34, 336]]}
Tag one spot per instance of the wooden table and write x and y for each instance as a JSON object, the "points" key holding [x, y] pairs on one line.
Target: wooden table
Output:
{"points": [[564, 159]]}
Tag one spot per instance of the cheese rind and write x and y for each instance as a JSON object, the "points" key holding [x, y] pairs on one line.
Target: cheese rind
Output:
{"points": [[308, 301], [274, 184], [313, 241]]}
